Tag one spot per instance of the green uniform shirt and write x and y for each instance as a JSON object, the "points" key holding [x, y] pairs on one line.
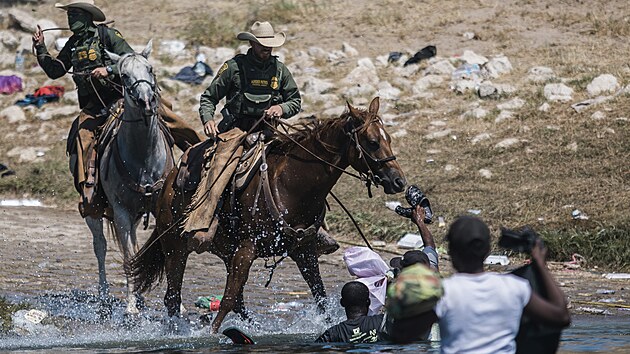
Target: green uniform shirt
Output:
{"points": [[84, 54], [227, 83]]}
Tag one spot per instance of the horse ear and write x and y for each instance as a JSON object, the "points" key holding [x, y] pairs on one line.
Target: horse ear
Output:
{"points": [[147, 50], [353, 111], [113, 56], [374, 105]]}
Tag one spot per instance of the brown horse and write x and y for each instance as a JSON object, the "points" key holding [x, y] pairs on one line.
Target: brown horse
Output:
{"points": [[301, 171]]}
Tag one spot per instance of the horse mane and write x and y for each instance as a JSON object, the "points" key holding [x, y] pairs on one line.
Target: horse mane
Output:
{"points": [[304, 131]]}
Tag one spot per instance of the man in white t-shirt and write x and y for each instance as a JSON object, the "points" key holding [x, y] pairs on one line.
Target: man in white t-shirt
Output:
{"points": [[480, 311]]}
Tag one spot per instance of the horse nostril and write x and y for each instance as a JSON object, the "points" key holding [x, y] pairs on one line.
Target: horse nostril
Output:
{"points": [[400, 183]]}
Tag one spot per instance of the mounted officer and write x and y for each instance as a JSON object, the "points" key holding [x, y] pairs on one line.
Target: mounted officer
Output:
{"points": [[98, 85], [255, 85]]}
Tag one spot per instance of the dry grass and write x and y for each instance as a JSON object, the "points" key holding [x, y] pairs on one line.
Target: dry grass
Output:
{"points": [[540, 178]]}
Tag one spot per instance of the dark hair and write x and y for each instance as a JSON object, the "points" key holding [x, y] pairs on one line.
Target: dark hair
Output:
{"points": [[469, 238], [355, 294]]}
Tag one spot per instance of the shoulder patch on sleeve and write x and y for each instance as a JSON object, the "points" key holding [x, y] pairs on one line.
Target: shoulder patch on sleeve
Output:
{"points": [[118, 34], [222, 69]]}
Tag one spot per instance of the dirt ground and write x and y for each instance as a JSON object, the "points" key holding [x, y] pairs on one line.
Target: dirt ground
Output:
{"points": [[49, 250]]}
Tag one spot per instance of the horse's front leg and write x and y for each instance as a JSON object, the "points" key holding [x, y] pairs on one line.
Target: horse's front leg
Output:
{"points": [[306, 260], [125, 228], [238, 272]]}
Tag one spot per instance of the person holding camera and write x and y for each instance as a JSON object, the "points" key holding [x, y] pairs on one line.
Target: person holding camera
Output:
{"points": [[480, 311]]}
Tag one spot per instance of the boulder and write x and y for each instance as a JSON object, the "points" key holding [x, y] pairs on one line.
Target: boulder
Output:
{"points": [[441, 67], [485, 173], [312, 85], [476, 113], [27, 153], [480, 137], [364, 73], [12, 114], [349, 50], [506, 143], [504, 115], [427, 82], [540, 74], [558, 92], [514, 103], [498, 66], [605, 83], [438, 134], [57, 112], [9, 40], [386, 91], [471, 57], [21, 20]]}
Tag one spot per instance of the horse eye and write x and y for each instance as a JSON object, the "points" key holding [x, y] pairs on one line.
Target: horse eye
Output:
{"points": [[374, 145]]}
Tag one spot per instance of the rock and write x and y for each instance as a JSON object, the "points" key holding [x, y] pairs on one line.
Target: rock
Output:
{"points": [[504, 115], [171, 47], [469, 35], [471, 57], [572, 147], [506, 143], [498, 66], [514, 103], [605, 83], [221, 55], [21, 20], [399, 133], [487, 90], [360, 91], [382, 60], [334, 112], [437, 123], [386, 91], [598, 115], [312, 85], [558, 92], [364, 73], [580, 106], [317, 53], [27, 154], [438, 134], [485, 173], [336, 56], [449, 168], [348, 50], [476, 113], [13, 114], [57, 112], [461, 86], [540, 74], [544, 107], [505, 89], [405, 71], [9, 40], [427, 82], [480, 137], [71, 97], [441, 67]]}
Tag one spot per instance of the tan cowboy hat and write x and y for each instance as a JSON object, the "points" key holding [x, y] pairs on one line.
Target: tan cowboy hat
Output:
{"points": [[263, 34], [87, 5]]}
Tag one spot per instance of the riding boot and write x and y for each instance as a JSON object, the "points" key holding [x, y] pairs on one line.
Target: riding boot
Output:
{"points": [[325, 244], [200, 240], [90, 181]]}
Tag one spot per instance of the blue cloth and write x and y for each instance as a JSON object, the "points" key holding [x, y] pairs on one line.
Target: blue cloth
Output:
{"points": [[37, 101], [194, 74]]}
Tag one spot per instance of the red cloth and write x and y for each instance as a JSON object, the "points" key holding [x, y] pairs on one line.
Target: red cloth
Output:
{"points": [[49, 90]]}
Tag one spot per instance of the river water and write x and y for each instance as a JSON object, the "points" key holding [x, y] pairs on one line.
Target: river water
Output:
{"points": [[48, 263]]}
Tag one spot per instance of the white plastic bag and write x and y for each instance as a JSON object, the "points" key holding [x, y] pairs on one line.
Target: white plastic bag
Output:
{"points": [[370, 269]]}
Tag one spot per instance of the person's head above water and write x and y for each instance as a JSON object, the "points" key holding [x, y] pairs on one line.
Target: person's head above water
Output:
{"points": [[355, 298], [468, 244]]}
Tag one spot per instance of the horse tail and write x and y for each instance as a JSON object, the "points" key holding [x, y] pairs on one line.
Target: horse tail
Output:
{"points": [[146, 268]]}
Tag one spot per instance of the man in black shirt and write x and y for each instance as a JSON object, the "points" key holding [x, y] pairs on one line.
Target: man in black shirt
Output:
{"points": [[359, 327]]}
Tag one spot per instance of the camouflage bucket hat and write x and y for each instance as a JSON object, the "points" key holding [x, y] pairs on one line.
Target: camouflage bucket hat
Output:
{"points": [[416, 290]]}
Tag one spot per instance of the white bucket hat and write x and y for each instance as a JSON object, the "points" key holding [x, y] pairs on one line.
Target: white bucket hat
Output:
{"points": [[263, 34], [87, 5]]}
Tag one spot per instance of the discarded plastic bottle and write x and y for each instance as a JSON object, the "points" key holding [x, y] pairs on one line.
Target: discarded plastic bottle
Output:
{"points": [[19, 61], [467, 71]]}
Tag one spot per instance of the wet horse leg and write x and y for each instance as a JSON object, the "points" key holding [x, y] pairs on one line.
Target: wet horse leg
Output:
{"points": [[100, 250], [175, 266], [238, 273], [309, 267], [125, 229]]}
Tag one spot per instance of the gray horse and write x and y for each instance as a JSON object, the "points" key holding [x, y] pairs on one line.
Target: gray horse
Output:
{"points": [[133, 165]]}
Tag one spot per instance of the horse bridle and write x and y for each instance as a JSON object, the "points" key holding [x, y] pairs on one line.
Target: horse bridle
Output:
{"points": [[370, 176], [132, 93]]}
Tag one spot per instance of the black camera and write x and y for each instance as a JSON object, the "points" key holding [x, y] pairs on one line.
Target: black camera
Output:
{"points": [[415, 197], [518, 240]]}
